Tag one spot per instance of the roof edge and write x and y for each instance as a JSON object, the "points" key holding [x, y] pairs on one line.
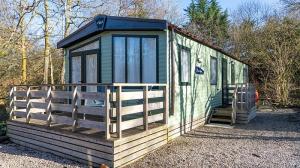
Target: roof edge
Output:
{"points": [[206, 43]]}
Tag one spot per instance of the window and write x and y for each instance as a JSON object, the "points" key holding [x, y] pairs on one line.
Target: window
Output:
{"points": [[232, 73], [149, 60], [119, 59], [245, 75], [135, 59], [185, 65], [213, 70]]}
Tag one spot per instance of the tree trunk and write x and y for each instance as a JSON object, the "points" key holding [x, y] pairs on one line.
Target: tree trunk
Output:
{"points": [[23, 42], [47, 44], [66, 33], [23, 51]]}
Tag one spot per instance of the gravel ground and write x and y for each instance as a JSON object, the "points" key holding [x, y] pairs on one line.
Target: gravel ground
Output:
{"points": [[14, 156], [272, 139]]}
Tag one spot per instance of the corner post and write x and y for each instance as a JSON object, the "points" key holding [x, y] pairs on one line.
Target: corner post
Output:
{"points": [[166, 104], [48, 109], [28, 105], [119, 109], [145, 107], [107, 109], [74, 111], [12, 106]]}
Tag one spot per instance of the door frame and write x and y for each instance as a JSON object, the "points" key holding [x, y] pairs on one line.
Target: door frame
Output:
{"points": [[83, 55]]}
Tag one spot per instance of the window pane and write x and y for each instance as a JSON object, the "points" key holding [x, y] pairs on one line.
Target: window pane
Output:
{"points": [[149, 60], [232, 74], [119, 59], [76, 69], [91, 72], [133, 59], [245, 75], [213, 71], [185, 66]]}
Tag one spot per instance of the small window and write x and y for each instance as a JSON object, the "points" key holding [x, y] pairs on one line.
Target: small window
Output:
{"points": [[232, 73], [245, 75], [185, 65], [213, 70]]}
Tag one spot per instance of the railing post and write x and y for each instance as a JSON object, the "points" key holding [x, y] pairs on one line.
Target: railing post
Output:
{"points": [[74, 111], [166, 105], [48, 109], [107, 109], [145, 107], [119, 110], [12, 106], [28, 105]]}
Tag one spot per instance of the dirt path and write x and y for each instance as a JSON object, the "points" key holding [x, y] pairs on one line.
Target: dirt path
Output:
{"points": [[272, 139]]}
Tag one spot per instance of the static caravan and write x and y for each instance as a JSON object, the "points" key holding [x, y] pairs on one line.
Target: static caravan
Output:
{"points": [[131, 86]]}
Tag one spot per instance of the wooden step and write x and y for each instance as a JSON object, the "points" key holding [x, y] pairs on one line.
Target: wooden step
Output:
{"points": [[220, 120], [222, 113]]}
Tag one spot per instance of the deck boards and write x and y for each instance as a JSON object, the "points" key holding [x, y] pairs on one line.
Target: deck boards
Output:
{"points": [[94, 151]]}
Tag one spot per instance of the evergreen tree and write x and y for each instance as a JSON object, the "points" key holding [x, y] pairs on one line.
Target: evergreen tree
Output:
{"points": [[208, 21]]}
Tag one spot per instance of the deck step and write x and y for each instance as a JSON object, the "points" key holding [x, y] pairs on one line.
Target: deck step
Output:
{"points": [[217, 125], [223, 120]]}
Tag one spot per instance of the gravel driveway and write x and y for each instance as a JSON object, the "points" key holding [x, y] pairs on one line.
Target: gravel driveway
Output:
{"points": [[15, 156], [272, 139]]}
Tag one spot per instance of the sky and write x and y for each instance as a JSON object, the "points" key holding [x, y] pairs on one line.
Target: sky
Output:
{"points": [[231, 5]]}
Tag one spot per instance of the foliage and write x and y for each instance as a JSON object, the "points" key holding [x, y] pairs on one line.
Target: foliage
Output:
{"points": [[208, 21], [271, 45]]}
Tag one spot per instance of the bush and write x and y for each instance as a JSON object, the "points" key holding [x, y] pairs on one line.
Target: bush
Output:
{"points": [[3, 118]]}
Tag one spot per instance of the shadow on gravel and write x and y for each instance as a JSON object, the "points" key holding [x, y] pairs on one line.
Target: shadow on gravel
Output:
{"points": [[282, 125]]}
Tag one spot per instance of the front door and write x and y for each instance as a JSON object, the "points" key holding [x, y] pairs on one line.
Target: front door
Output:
{"points": [[224, 82]]}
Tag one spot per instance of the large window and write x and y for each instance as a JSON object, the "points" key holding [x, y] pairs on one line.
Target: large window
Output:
{"points": [[185, 65], [135, 59], [213, 71]]}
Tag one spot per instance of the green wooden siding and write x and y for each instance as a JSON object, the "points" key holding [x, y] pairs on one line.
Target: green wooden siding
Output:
{"points": [[196, 100]]}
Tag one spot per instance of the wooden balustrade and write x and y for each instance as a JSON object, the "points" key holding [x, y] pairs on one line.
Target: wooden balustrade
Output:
{"points": [[243, 101], [116, 108]]}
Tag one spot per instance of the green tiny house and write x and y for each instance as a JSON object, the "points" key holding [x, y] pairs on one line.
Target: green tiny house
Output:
{"points": [[132, 85], [194, 98]]}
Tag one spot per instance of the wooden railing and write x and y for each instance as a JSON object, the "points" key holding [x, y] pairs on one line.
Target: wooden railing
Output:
{"points": [[243, 99], [111, 108]]}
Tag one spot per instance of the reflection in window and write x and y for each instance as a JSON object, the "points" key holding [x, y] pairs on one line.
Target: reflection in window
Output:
{"points": [[232, 73], [119, 59], [213, 70], [185, 69], [133, 59], [149, 60]]}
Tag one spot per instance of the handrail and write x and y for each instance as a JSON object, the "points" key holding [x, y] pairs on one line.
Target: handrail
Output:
{"points": [[93, 84], [44, 99]]}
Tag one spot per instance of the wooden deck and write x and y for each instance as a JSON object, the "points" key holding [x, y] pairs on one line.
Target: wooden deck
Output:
{"points": [[114, 124]]}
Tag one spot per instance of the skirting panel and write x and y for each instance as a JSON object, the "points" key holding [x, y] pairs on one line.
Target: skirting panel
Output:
{"points": [[94, 152], [82, 149]]}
